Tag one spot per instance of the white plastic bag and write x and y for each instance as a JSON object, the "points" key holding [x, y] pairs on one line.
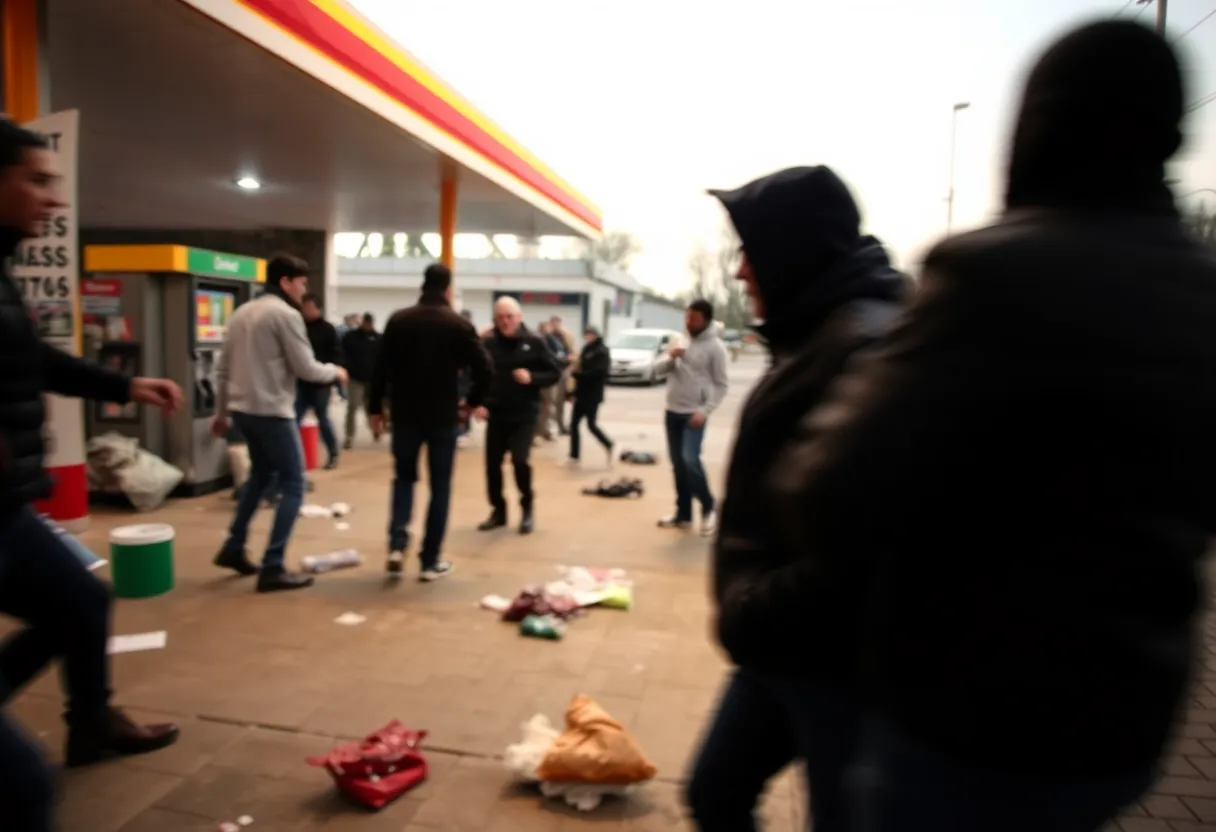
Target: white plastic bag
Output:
{"points": [[148, 481]]}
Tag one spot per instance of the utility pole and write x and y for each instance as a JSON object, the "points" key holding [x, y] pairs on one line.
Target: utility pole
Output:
{"points": [[1161, 16], [958, 108]]}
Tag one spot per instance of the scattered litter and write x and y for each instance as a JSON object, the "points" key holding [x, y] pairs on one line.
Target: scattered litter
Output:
{"points": [[543, 626], [314, 510], [342, 527], [245, 820], [639, 458], [229, 826], [495, 603], [594, 587], [536, 601], [624, 487], [340, 509], [350, 619], [137, 643], [341, 559], [86, 555], [377, 770], [594, 758]]}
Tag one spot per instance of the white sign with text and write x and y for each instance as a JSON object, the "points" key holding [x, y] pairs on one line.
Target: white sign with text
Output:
{"points": [[47, 270]]}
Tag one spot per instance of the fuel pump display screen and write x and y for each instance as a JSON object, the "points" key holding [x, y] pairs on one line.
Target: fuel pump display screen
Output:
{"points": [[213, 308]]}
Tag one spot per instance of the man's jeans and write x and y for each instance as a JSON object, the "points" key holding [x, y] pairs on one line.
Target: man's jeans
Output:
{"points": [[314, 398], [761, 726], [66, 611], [684, 448], [274, 451], [440, 457], [900, 786]]}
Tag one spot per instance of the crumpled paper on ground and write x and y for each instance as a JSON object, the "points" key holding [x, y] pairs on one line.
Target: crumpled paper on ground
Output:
{"points": [[524, 758], [590, 587], [594, 748]]}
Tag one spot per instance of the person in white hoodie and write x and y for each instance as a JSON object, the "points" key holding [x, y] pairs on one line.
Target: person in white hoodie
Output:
{"points": [[266, 352], [696, 385]]}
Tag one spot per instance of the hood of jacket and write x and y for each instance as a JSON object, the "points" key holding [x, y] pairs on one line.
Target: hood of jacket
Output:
{"points": [[1099, 118], [801, 232]]}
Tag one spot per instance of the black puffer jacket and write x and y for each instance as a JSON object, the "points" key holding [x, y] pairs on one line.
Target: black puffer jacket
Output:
{"points": [[30, 368], [507, 399], [828, 292], [594, 363], [1028, 467]]}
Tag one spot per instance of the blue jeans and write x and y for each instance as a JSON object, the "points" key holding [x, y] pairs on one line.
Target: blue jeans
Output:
{"points": [[66, 610], [899, 786], [684, 448], [762, 725], [274, 451], [271, 492], [440, 458], [316, 399]]}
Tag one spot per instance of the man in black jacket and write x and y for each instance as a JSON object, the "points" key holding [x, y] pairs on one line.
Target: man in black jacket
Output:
{"points": [[422, 355], [523, 367], [42, 583], [594, 362], [359, 347], [315, 397], [1026, 475], [825, 293]]}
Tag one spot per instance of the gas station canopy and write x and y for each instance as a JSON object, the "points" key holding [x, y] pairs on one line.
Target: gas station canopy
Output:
{"points": [[344, 130]]}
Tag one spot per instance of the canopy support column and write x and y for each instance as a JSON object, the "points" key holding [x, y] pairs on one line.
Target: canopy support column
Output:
{"points": [[448, 199]]}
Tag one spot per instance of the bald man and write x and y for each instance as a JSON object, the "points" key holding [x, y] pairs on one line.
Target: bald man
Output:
{"points": [[523, 367]]}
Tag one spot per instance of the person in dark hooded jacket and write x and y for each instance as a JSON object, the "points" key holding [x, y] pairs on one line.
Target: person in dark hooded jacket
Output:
{"points": [[1026, 473], [824, 292]]}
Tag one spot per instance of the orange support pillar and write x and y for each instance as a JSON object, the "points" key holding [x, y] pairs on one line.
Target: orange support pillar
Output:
{"points": [[21, 60], [447, 215]]}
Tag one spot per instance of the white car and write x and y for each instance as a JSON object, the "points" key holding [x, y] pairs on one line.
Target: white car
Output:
{"points": [[640, 355]]}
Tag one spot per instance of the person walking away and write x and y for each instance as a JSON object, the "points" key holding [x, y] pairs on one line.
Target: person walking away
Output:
{"points": [[826, 294], [590, 377], [359, 347], [424, 350], [315, 397], [1026, 470], [347, 323], [696, 385], [43, 584], [464, 425], [266, 354], [561, 390], [523, 367], [544, 421]]}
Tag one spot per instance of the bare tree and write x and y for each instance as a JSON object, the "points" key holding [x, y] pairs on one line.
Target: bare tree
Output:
{"points": [[713, 270], [615, 248]]}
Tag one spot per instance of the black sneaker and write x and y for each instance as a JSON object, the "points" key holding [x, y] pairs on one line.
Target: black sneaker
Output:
{"points": [[497, 520], [282, 581], [331, 463], [395, 564], [236, 560], [528, 524], [440, 569]]}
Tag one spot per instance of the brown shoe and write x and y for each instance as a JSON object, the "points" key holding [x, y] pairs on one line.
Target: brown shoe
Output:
{"points": [[116, 735]]}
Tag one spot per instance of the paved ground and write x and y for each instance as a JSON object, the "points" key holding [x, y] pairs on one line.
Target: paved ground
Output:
{"points": [[260, 682]]}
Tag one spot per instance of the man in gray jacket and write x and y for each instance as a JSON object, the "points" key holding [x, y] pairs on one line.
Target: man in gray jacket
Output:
{"points": [[696, 385], [266, 353]]}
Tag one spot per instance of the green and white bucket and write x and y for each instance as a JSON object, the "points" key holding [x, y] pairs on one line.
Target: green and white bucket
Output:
{"points": [[141, 560]]}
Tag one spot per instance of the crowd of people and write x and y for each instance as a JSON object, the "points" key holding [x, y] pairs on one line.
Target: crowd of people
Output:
{"points": [[956, 567]]}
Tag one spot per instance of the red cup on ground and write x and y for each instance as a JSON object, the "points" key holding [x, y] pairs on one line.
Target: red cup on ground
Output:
{"points": [[310, 438]]}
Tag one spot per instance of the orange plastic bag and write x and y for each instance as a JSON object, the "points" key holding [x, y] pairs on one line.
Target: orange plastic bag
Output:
{"points": [[595, 748]]}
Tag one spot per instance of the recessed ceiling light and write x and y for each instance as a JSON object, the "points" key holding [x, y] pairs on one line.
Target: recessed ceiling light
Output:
{"points": [[248, 183]]}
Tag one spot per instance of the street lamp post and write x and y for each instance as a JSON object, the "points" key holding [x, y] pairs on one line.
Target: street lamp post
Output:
{"points": [[958, 108]]}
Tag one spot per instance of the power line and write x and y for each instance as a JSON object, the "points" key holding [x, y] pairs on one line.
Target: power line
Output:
{"points": [[1201, 103], [1204, 20], [1126, 6]]}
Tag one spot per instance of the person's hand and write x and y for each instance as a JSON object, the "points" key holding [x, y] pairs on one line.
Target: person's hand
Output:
{"points": [[220, 426], [696, 421], [376, 423], [158, 392], [676, 352], [522, 376], [481, 414], [343, 376]]}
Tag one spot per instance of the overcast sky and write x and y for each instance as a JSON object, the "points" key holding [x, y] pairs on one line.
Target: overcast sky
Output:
{"points": [[643, 104]]}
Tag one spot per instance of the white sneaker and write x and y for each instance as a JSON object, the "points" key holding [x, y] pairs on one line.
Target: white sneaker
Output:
{"points": [[433, 573], [673, 523], [709, 524]]}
